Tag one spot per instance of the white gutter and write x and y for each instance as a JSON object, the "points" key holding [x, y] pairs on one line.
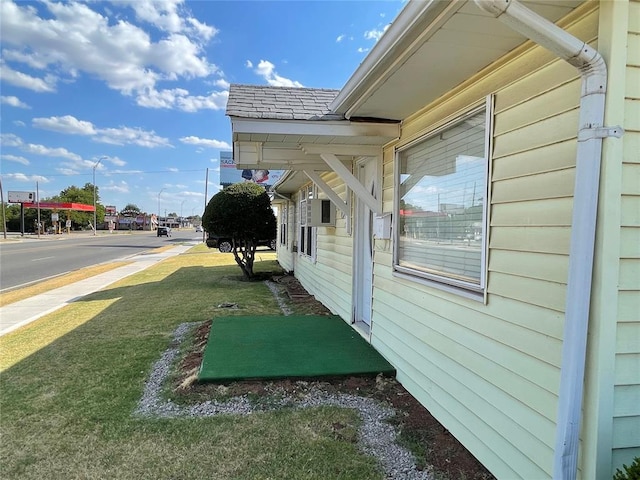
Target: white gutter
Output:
{"points": [[591, 131]]}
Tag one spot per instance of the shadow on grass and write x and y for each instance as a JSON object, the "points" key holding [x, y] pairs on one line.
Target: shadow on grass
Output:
{"points": [[67, 405], [151, 302]]}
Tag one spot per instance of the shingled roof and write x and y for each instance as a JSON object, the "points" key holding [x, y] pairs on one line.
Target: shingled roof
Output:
{"points": [[281, 103]]}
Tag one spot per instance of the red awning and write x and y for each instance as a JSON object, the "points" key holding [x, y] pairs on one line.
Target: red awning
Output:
{"points": [[81, 207]]}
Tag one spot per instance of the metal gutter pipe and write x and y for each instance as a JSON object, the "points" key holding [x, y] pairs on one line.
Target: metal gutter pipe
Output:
{"points": [[591, 131]]}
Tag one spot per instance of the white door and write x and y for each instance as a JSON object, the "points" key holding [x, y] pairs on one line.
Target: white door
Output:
{"points": [[363, 254]]}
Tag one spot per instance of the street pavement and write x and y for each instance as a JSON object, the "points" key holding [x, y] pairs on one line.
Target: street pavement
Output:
{"points": [[18, 314]]}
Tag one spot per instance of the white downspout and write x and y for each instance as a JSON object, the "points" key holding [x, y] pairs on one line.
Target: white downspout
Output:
{"points": [[591, 131]]}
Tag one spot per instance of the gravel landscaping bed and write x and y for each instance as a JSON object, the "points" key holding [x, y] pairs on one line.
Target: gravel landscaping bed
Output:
{"points": [[387, 410], [376, 436]]}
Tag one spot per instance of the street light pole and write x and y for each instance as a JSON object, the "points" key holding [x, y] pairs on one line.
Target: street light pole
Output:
{"points": [[95, 216]]}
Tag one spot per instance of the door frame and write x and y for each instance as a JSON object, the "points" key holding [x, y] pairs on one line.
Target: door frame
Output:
{"points": [[364, 242]]}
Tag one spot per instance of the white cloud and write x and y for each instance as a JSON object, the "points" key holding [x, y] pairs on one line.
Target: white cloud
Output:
{"points": [[10, 140], [363, 50], [120, 187], [211, 143], [249, 64], [173, 169], [67, 171], [75, 161], [375, 34], [222, 83], [19, 123], [180, 99], [167, 15], [66, 124], [73, 39], [266, 70], [116, 161], [340, 38], [13, 101], [114, 136], [14, 158], [50, 152], [21, 177], [192, 194], [131, 136], [23, 80]]}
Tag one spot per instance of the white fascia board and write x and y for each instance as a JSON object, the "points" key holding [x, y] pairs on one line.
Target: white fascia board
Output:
{"points": [[256, 155], [386, 131]]}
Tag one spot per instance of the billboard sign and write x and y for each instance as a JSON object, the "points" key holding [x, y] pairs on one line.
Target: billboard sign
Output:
{"points": [[21, 197], [110, 209], [230, 174]]}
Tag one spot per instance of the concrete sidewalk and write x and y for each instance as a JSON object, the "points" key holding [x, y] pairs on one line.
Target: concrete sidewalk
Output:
{"points": [[18, 314]]}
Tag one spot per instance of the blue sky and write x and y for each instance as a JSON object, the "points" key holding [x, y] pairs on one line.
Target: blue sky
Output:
{"points": [[141, 86]]}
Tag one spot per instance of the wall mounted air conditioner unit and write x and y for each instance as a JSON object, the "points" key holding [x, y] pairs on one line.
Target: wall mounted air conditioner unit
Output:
{"points": [[323, 213]]}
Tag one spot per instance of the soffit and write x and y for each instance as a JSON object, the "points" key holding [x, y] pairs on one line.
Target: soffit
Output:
{"points": [[458, 42]]}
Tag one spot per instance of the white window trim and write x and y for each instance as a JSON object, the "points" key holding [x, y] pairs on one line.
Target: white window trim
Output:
{"points": [[304, 197], [284, 225], [448, 284]]}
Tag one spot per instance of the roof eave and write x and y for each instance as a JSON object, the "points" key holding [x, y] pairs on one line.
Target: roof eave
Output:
{"points": [[405, 29]]}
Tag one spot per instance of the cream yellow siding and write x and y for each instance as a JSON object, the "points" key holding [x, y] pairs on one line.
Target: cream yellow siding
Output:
{"points": [[488, 366], [626, 412], [490, 371], [330, 278]]}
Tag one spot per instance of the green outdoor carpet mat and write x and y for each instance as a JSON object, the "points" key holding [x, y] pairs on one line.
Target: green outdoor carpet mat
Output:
{"points": [[261, 347]]}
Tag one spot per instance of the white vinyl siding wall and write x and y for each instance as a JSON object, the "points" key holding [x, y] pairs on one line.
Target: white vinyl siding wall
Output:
{"points": [[490, 373], [626, 421], [330, 277]]}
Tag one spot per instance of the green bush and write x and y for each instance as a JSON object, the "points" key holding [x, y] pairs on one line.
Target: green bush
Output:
{"points": [[243, 212], [630, 473]]}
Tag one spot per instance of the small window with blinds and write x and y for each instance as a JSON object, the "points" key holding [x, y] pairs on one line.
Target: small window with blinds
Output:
{"points": [[441, 207]]}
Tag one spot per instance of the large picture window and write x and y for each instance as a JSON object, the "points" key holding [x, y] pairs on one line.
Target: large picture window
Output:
{"points": [[441, 207]]}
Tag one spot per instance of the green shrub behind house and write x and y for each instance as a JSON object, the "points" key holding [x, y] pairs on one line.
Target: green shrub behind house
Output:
{"points": [[241, 211]]}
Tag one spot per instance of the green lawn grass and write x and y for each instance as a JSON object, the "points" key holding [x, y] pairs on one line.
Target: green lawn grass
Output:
{"points": [[69, 384]]}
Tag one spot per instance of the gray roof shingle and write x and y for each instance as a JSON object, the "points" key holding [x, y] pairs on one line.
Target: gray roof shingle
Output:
{"points": [[281, 103]]}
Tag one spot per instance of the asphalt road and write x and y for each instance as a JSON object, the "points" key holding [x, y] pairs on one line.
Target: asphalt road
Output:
{"points": [[29, 259]]}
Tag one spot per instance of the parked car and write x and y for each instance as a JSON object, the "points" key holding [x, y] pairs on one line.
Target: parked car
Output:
{"points": [[199, 229], [164, 232], [224, 244]]}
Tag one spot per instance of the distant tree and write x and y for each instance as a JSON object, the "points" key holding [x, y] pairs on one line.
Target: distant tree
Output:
{"points": [[83, 195], [241, 211], [131, 210]]}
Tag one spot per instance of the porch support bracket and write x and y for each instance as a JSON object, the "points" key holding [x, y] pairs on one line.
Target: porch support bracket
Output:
{"points": [[328, 191], [352, 182]]}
